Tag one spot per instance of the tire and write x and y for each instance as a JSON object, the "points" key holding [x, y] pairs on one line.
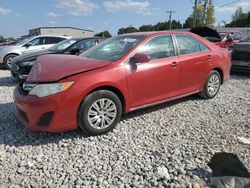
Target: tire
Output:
{"points": [[7, 60], [212, 85], [94, 121]]}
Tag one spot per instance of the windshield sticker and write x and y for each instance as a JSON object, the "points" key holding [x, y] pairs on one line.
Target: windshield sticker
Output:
{"points": [[128, 40]]}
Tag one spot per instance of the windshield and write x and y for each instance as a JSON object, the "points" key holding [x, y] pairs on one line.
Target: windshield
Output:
{"points": [[62, 45], [222, 35], [23, 41], [114, 48]]}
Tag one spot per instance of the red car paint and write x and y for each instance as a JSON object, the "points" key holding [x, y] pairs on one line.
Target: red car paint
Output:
{"points": [[142, 85], [224, 44]]}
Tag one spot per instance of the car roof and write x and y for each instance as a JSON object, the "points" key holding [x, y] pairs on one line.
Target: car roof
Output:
{"points": [[83, 38], [152, 33], [67, 37], [228, 31]]}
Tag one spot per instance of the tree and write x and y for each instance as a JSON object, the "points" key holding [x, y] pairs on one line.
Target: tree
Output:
{"points": [[237, 14], [105, 34], [239, 19], [129, 29], [204, 17], [210, 18], [146, 28]]}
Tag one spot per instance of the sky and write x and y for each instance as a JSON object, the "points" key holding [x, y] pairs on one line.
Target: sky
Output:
{"points": [[17, 17]]}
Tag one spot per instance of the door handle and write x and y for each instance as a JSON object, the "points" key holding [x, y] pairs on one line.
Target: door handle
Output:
{"points": [[209, 57], [173, 64]]}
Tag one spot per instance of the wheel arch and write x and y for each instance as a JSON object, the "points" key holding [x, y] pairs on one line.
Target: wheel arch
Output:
{"points": [[219, 70], [113, 89], [13, 53]]}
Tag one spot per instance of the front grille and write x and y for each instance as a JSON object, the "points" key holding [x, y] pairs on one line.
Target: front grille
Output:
{"points": [[23, 115], [24, 70]]}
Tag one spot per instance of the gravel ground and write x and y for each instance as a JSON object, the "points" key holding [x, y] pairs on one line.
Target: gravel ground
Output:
{"points": [[167, 145]]}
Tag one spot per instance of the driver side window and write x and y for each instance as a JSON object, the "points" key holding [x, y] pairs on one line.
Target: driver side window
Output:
{"points": [[159, 47]]}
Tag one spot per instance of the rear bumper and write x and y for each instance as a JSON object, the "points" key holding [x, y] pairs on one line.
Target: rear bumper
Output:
{"points": [[240, 66], [240, 69], [49, 114]]}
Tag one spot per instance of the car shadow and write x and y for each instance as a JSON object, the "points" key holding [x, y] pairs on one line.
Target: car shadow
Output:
{"points": [[157, 107], [8, 81], [12, 133]]}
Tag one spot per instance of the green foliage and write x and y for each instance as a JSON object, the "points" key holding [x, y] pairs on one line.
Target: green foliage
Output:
{"points": [[105, 34], [210, 19], [240, 19], [146, 28], [129, 29], [160, 26]]}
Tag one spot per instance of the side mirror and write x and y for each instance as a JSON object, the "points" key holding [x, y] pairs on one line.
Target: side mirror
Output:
{"points": [[229, 38], [74, 51], [140, 58], [27, 45]]}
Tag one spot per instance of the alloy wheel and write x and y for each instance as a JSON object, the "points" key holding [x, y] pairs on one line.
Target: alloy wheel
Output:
{"points": [[102, 113]]}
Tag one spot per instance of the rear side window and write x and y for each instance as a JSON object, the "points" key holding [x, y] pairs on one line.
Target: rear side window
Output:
{"points": [[188, 45], [159, 47], [237, 36], [53, 40]]}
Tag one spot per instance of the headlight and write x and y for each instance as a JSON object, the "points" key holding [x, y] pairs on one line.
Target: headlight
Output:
{"points": [[43, 90], [28, 63]]}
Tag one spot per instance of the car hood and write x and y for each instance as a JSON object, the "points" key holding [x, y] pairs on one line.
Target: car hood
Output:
{"points": [[207, 33], [31, 56], [8, 48], [50, 68]]}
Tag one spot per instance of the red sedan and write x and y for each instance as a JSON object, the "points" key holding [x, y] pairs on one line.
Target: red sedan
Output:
{"points": [[122, 74]]}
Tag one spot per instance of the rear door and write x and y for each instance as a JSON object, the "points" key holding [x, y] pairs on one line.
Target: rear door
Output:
{"points": [[157, 79], [50, 41], [195, 62]]}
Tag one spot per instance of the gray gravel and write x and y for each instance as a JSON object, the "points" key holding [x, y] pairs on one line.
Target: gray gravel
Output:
{"points": [[167, 145]]}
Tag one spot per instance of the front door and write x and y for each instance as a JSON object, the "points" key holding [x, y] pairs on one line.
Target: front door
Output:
{"points": [[157, 79]]}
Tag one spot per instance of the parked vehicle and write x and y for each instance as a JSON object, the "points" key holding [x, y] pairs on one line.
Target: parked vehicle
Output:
{"points": [[121, 74], [234, 34], [223, 39], [241, 56], [21, 65], [7, 53]]}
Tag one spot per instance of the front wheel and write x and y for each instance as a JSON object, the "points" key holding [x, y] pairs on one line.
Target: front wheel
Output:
{"points": [[7, 60], [212, 85], [99, 112]]}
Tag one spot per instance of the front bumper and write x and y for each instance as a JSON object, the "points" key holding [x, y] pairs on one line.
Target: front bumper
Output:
{"points": [[51, 114], [20, 73]]}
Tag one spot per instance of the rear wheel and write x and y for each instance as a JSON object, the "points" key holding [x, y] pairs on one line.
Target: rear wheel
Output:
{"points": [[99, 113], [7, 60], [212, 85]]}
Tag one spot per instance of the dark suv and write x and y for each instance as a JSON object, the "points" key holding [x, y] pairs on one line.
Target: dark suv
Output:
{"points": [[21, 65]]}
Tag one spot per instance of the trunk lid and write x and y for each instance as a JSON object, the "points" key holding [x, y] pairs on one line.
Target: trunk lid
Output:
{"points": [[208, 33]]}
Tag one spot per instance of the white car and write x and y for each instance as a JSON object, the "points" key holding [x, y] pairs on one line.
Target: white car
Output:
{"points": [[7, 53]]}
